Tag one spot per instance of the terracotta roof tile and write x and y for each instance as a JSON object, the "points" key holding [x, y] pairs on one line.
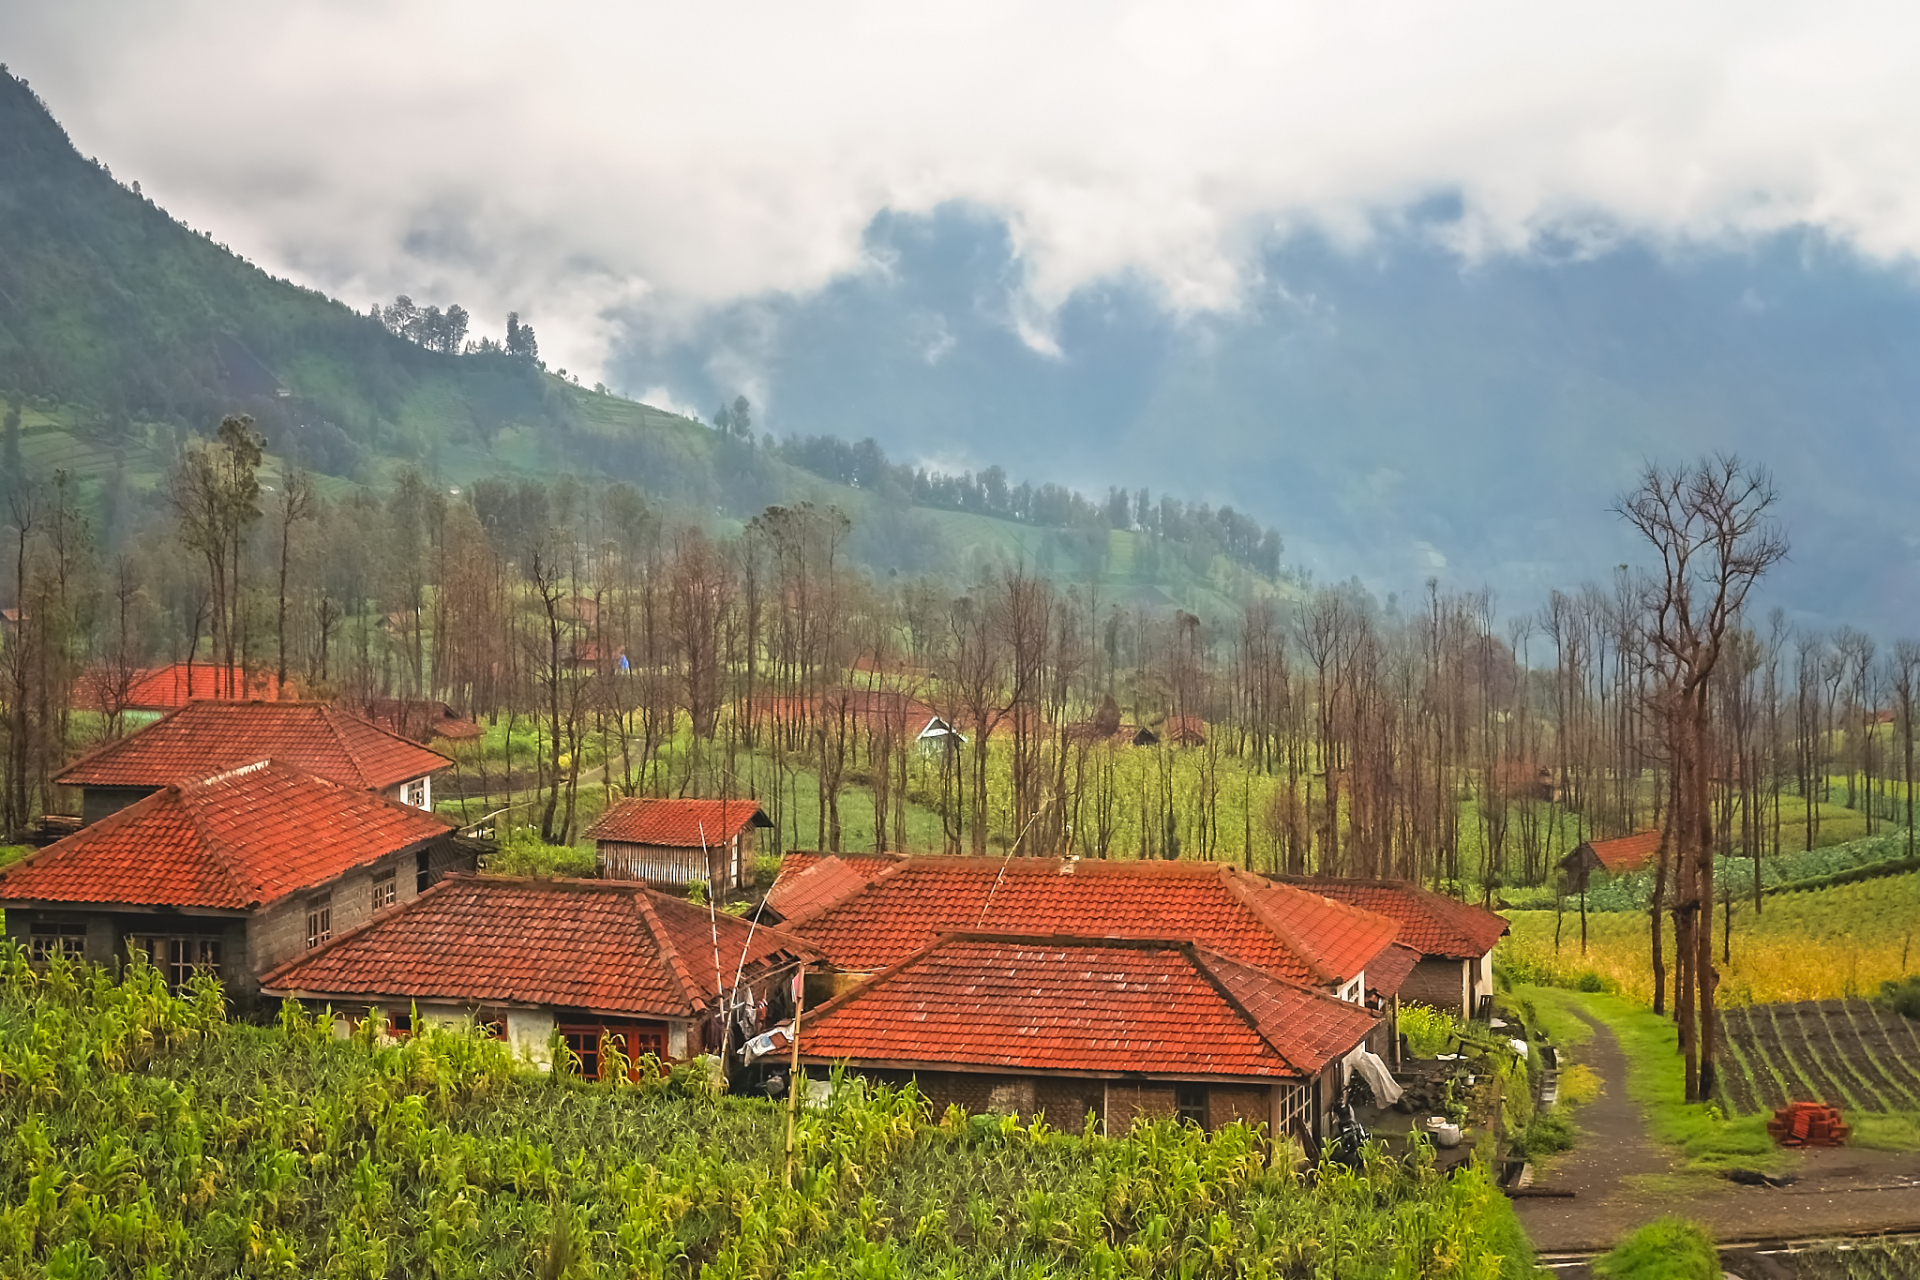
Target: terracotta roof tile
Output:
{"points": [[818, 886], [1626, 853], [203, 738], [1273, 927], [796, 863], [1431, 923], [678, 824], [1389, 971], [171, 687], [1084, 1004], [603, 945], [235, 841]]}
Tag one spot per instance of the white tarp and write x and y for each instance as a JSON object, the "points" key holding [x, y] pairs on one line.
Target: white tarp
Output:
{"points": [[1375, 1073]]}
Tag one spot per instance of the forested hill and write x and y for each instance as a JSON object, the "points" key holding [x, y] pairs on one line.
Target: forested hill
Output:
{"points": [[122, 331], [115, 311]]}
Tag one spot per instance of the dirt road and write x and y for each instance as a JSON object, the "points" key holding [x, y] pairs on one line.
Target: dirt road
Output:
{"points": [[1613, 1174]]}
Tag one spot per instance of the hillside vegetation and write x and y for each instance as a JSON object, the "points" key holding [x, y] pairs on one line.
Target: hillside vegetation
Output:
{"points": [[124, 335]]}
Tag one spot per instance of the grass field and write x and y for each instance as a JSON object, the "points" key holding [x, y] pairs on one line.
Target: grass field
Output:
{"points": [[1820, 944]]}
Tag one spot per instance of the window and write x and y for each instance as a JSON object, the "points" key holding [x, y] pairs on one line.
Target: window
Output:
{"points": [[422, 871], [400, 1025], [178, 959], [1190, 1103], [635, 1040], [319, 922], [415, 793], [384, 893], [45, 941], [584, 1044]]}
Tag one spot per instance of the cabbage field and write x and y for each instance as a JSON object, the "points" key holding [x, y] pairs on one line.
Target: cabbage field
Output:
{"points": [[143, 1134]]}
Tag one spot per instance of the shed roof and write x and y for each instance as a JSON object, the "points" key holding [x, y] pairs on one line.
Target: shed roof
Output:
{"points": [[1295, 934], [235, 841], [1624, 853], [1431, 923], [1099, 1005], [680, 824], [203, 738], [609, 946]]}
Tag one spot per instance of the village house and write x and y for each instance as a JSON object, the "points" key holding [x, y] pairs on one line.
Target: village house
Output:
{"points": [[1065, 1027], [673, 843], [230, 874], [420, 719], [1453, 941], [869, 914], [586, 958], [203, 738], [1610, 857]]}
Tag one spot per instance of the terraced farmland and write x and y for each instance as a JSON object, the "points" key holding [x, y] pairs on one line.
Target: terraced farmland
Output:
{"points": [[1853, 1054]]}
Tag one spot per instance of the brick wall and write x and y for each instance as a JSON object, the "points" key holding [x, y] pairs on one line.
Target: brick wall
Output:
{"points": [[1436, 983], [279, 933]]}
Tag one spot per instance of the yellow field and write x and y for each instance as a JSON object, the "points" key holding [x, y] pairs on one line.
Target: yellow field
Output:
{"points": [[1822, 945]]}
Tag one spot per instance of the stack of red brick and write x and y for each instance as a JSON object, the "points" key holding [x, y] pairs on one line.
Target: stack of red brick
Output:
{"points": [[1808, 1124]]}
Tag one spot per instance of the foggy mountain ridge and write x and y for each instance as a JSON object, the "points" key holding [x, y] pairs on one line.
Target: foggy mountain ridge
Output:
{"points": [[1397, 412], [123, 328]]}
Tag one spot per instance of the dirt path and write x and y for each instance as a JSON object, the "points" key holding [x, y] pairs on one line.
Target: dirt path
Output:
{"points": [[1838, 1191], [1613, 1147]]}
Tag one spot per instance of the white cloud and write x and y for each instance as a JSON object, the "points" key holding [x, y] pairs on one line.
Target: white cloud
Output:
{"points": [[576, 159]]}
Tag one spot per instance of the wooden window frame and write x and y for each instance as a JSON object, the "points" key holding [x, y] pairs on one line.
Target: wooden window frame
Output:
{"points": [[179, 956], [49, 938], [319, 921], [386, 889]]}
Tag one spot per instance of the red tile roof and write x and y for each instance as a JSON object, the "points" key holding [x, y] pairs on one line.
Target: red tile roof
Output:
{"points": [[822, 883], [678, 824], [1083, 1004], [1274, 927], [1389, 971], [1626, 853], [205, 737], [235, 841], [609, 946], [172, 687], [1431, 923], [854, 871]]}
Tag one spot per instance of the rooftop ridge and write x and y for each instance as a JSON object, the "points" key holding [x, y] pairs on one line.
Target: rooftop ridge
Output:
{"points": [[1208, 962], [1251, 900], [226, 775], [677, 966], [216, 848]]}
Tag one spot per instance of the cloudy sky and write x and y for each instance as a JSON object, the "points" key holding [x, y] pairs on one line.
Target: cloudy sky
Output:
{"points": [[667, 190], [576, 158]]}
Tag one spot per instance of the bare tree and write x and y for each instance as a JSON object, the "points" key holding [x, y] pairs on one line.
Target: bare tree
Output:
{"points": [[1710, 526]]}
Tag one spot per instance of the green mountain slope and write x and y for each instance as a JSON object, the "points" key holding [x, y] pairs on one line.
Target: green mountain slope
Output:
{"points": [[122, 316], [122, 330]]}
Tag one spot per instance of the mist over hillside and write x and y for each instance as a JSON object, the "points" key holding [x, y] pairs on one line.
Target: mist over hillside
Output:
{"points": [[124, 333], [1396, 411]]}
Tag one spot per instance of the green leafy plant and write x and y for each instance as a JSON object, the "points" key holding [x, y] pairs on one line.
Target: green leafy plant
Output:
{"points": [[1668, 1249]]}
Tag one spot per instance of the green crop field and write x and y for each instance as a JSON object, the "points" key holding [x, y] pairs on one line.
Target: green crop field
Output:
{"points": [[142, 1134]]}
